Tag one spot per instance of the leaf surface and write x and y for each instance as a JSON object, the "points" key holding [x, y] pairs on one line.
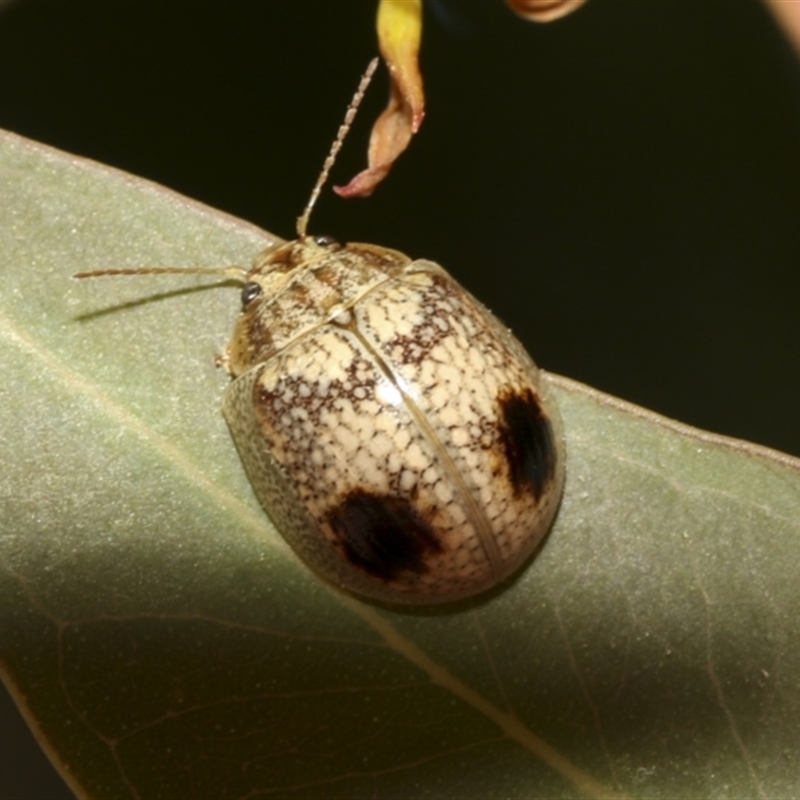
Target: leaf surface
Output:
{"points": [[164, 641]]}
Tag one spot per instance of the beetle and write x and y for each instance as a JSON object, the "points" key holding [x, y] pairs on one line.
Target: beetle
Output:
{"points": [[398, 435]]}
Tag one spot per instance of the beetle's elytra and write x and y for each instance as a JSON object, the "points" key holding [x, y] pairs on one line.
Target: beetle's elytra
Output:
{"points": [[398, 435]]}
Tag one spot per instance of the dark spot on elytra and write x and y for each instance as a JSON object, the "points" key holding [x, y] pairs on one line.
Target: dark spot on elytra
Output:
{"points": [[383, 534], [527, 439]]}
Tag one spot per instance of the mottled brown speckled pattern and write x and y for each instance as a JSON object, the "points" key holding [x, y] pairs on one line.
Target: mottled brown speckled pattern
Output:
{"points": [[395, 431]]}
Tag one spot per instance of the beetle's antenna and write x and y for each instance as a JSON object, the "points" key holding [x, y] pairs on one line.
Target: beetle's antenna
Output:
{"points": [[302, 221], [237, 273]]}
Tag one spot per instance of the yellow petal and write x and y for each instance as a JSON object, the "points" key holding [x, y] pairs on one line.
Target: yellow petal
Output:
{"points": [[399, 32], [544, 10]]}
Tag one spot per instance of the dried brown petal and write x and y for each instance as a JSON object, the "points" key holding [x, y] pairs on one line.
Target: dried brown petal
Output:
{"points": [[399, 32], [544, 10], [788, 16]]}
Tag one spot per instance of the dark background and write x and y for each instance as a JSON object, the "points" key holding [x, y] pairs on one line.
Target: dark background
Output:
{"points": [[621, 187]]}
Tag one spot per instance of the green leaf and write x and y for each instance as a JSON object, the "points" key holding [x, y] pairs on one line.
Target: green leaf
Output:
{"points": [[165, 642]]}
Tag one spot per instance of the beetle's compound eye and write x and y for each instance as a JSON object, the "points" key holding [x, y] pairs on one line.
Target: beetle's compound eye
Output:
{"points": [[326, 241], [250, 291]]}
